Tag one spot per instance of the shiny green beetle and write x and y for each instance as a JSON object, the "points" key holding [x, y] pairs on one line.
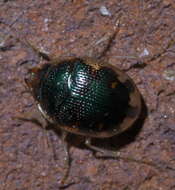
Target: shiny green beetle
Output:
{"points": [[85, 96]]}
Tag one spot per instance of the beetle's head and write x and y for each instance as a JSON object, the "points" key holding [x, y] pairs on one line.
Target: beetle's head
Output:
{"points": [[33, 79]]}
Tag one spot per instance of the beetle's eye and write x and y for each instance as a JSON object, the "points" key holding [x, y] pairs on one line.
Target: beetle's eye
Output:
{"points": [[29, 78], [32, 75]]}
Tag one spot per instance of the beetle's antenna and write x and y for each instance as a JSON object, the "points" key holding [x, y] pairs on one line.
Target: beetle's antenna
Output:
{"points": [[107, 40], [110, 39], [10, 27], [23, 41], [36, 50]]}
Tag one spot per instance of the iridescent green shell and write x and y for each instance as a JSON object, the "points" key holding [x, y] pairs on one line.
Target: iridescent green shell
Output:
{"points": [[85, 97]]}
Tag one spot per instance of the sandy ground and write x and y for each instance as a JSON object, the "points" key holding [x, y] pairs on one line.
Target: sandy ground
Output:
{"points": [[144, 47]]}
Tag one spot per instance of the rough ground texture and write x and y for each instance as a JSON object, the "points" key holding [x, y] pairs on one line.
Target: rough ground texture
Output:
{"points": [[144, 47]]}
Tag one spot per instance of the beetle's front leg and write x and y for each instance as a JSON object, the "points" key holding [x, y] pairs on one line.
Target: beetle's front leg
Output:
{"points": [[33, 116]]}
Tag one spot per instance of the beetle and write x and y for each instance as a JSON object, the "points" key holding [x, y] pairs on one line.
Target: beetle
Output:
{"points": [[85, 96]]}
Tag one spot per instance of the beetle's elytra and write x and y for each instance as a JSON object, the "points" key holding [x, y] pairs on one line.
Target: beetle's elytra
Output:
{"points": [[86, 97]]}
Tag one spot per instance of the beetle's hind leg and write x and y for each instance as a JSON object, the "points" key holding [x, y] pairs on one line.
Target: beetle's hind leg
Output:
{"points": [[104, 152], [116, 154]]}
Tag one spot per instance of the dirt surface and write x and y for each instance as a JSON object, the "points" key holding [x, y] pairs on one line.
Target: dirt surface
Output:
{"points": [[144, 47]]}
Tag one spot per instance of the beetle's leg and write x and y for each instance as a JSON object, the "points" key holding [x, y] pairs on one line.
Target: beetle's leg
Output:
{"points": [[105, 152], [33, 117], [37, 118], [116, 155], [66, 158]]}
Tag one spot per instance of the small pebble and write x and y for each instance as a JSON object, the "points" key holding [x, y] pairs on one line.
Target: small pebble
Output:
{"points": [[169, 75], [144, 53], [104, 11]]}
